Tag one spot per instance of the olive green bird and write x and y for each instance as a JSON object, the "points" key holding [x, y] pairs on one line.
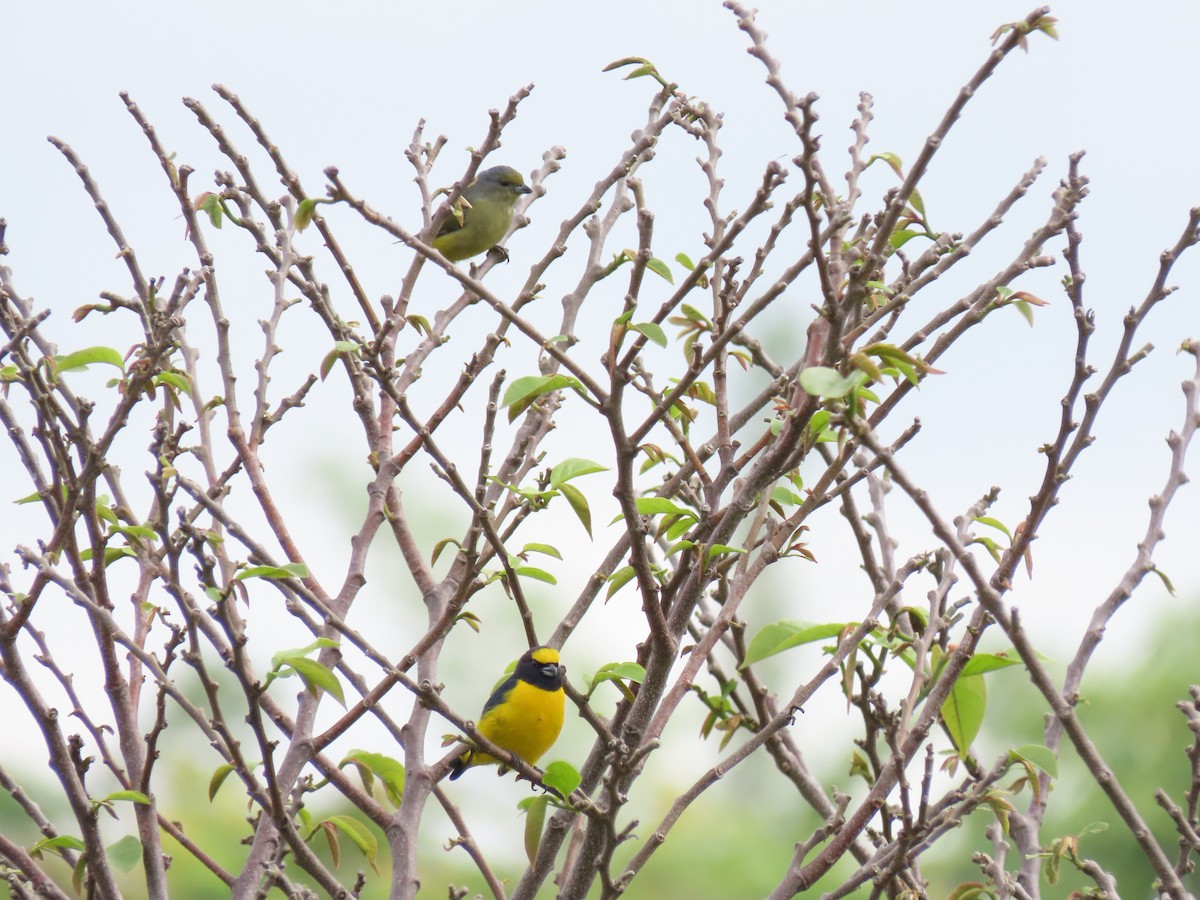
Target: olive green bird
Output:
{"points": [[524, 714], [487, 214]]}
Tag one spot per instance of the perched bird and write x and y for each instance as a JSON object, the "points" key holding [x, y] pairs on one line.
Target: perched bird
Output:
{"points": [[524, 714], [487, 214]]}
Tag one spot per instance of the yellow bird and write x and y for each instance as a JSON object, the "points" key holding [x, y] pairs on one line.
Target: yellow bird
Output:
{"points": [[524, 714], [487, 214]]}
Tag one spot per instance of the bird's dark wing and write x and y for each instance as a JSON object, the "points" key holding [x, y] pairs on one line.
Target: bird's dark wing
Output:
{"points": [[501, 693]]}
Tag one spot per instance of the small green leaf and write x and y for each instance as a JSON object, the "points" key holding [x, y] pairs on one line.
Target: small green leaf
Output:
{"points": [[992, 523], [340, 349], [177, 380], [421, 324], [81, 359], [573, 468], [290, 570], [963, 711], [522, 393], [537, 574], [653, 506], [660, 268], [652, 331], [579, 504], [360, 836], [1165, 580], [780, 636], [61, 842], [988, 662], [916, 202], [218, 778], [369, 765], [441, 545], [686, 261], [822, 381], [535, 820], [563, 777], [720, 549], [316, 677], [900, 238], [304, 213], [618, 580], [1042, 757], [545, 549], [209, 204], [126, 853], [319, 644], [891, 159], [132, 796]]}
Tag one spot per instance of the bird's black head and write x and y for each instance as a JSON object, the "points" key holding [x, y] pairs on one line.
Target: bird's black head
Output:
{"points": [[540, 668]]}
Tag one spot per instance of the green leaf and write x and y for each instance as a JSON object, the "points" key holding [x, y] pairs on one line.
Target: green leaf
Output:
{"points": [[988, 662], [900, 238], [563, 777], [1165, 580], [81, 359], [369, 765], [653, 506], [291, 570], [138, 532], [545, 549], [992, 523], [686, 261], [822, 381], [209, 204], [316, 677], [441, 545], [421, 324], [126, 853], [538, 574], [719, 549], [133, 796], [319, 644], [916, 202], [618, 580], [615, 672], [573, 468], [535, 820], [177, 380], [340, 349], [360, 836], [780, 636], [891, 159], [652, 331], [1039, 756], [218, 778], [579, 504], [111, 554], [695, 315], [61, 842], [963, 711], [304, 213], [522, 393], [780, 494], [660, 268]]}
